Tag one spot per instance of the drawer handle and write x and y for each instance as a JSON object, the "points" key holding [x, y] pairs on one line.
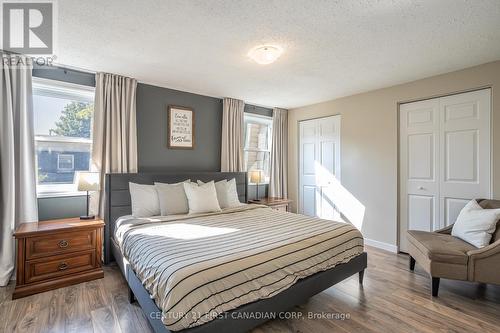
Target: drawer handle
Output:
{"points": [[63, 243], [63, 266]]}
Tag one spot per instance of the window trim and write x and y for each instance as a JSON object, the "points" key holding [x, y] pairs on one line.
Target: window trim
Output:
{"points": [[263, 120], [66, 90], [61, 89]]}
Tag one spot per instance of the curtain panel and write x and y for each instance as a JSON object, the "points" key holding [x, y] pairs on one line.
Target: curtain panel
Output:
{"points": [[18, 200], [232, 135], [279, 155], [114, 144]]}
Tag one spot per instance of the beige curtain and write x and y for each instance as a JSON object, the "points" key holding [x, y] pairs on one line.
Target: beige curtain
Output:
{"points": [[18, 202], [114, 145], [232, 135], [279, 154]]}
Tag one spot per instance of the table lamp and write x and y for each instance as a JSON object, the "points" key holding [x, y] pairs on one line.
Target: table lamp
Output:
{"points": [[256, 178], [88, 181]]}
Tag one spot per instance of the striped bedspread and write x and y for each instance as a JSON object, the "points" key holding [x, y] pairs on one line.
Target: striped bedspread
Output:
{"points": [[197, 267]]}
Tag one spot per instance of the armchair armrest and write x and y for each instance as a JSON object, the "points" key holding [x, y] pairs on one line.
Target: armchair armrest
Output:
{"points": [[484, 252], [445, 230], [484, 263]]}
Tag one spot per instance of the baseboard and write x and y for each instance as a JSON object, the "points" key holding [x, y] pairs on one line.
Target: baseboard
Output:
{"points": [[381, 245]]}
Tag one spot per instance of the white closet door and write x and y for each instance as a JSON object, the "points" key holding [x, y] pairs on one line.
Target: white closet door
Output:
{"points": [[419, 165], [307, 168], [444, 159], [465, 151], [319, 167], [328, 165]]}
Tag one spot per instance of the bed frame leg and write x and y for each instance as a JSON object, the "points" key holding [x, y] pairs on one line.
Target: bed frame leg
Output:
{"points": [[412, 263], [361, 276], [435, 286], [131, 297]]}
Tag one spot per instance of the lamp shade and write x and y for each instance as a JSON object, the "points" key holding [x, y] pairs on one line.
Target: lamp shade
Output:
{"points": [[255, 176], [88, 181]]}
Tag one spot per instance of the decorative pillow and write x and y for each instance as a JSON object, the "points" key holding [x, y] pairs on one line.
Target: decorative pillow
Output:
{"points": [[172, 198], [475, 225], [144, 200], [202, 198], [227, 194]]}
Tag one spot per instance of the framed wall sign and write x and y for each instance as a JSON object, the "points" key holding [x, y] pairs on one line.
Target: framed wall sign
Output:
{"points": [[180, 127]]}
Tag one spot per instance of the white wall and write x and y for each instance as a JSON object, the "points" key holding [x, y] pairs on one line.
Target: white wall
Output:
{"points": [[370, 141]]}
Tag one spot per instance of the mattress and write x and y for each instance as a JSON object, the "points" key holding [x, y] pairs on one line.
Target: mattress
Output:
{"points": [[196, 267]]}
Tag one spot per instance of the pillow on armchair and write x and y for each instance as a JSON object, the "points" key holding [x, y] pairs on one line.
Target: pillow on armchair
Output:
{"points": [[475, 225]]}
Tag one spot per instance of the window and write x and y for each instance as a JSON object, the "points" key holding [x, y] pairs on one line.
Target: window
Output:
{"points": [[257, 151], [65, 162], [63, 134]]}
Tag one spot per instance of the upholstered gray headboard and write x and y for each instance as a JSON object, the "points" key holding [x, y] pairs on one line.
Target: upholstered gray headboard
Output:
{"points": [[118, 195]]}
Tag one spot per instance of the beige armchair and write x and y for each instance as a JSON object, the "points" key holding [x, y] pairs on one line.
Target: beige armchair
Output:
{"points": [[444, 256]]}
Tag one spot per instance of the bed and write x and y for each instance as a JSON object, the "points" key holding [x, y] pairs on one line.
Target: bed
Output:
{"points": [[227, 271]]}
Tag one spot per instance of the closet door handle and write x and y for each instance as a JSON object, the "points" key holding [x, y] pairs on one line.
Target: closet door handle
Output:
{"points": [[421, 188]]}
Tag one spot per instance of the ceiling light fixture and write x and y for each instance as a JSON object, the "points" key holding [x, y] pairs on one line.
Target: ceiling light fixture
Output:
{"points": [[265, 54]]}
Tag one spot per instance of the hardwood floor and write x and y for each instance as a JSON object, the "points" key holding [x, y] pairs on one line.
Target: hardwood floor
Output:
{"points": [[392, 299]]}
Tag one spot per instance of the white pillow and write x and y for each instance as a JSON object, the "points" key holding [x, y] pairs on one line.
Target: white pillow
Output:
{"points": [[475, 225], [227, 194], [172, 198], [144, 200], [202, 198]]}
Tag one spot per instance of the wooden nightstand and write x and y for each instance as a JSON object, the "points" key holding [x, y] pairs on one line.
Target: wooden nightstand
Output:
{"points": [[57, 253], [281, 204]]}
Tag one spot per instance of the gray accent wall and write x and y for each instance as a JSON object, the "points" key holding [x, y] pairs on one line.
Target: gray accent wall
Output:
{"points": [[153, 154], [65, 75], [260, 110], [61, 207]]}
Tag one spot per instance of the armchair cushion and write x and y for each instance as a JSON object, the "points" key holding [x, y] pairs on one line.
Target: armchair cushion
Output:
{"points": [[440, 247]]}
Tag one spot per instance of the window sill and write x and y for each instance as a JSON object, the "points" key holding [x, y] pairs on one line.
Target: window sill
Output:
{"points": [[60, 194], [255, 184]]}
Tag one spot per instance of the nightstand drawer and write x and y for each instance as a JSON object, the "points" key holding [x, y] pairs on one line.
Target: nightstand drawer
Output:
{"points": [[48, 268], [58, 243], [279, 204], [282, 208]]}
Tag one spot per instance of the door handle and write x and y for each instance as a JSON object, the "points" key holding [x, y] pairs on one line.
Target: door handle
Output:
{"points": [[421, 188]]}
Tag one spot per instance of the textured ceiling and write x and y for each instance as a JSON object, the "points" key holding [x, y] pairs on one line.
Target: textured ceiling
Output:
{"points": [[332, 48]]}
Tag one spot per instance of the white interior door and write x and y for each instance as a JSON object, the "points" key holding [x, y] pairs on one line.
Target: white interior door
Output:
{"points": [[319, 166], [465, 152], [307, 168], [444, 159], [419, 165]]}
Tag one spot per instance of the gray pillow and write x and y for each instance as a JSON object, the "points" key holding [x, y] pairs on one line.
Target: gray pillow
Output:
{"points": [[227, 194], [172, 198], [202, 198], [144, 200]]}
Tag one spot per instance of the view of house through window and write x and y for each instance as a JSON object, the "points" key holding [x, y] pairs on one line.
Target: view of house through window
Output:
{"points": [[63, 137], [257, 151]]}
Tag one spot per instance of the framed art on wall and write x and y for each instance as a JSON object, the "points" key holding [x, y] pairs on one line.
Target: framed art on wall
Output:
{"points": [[180, 127]]}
